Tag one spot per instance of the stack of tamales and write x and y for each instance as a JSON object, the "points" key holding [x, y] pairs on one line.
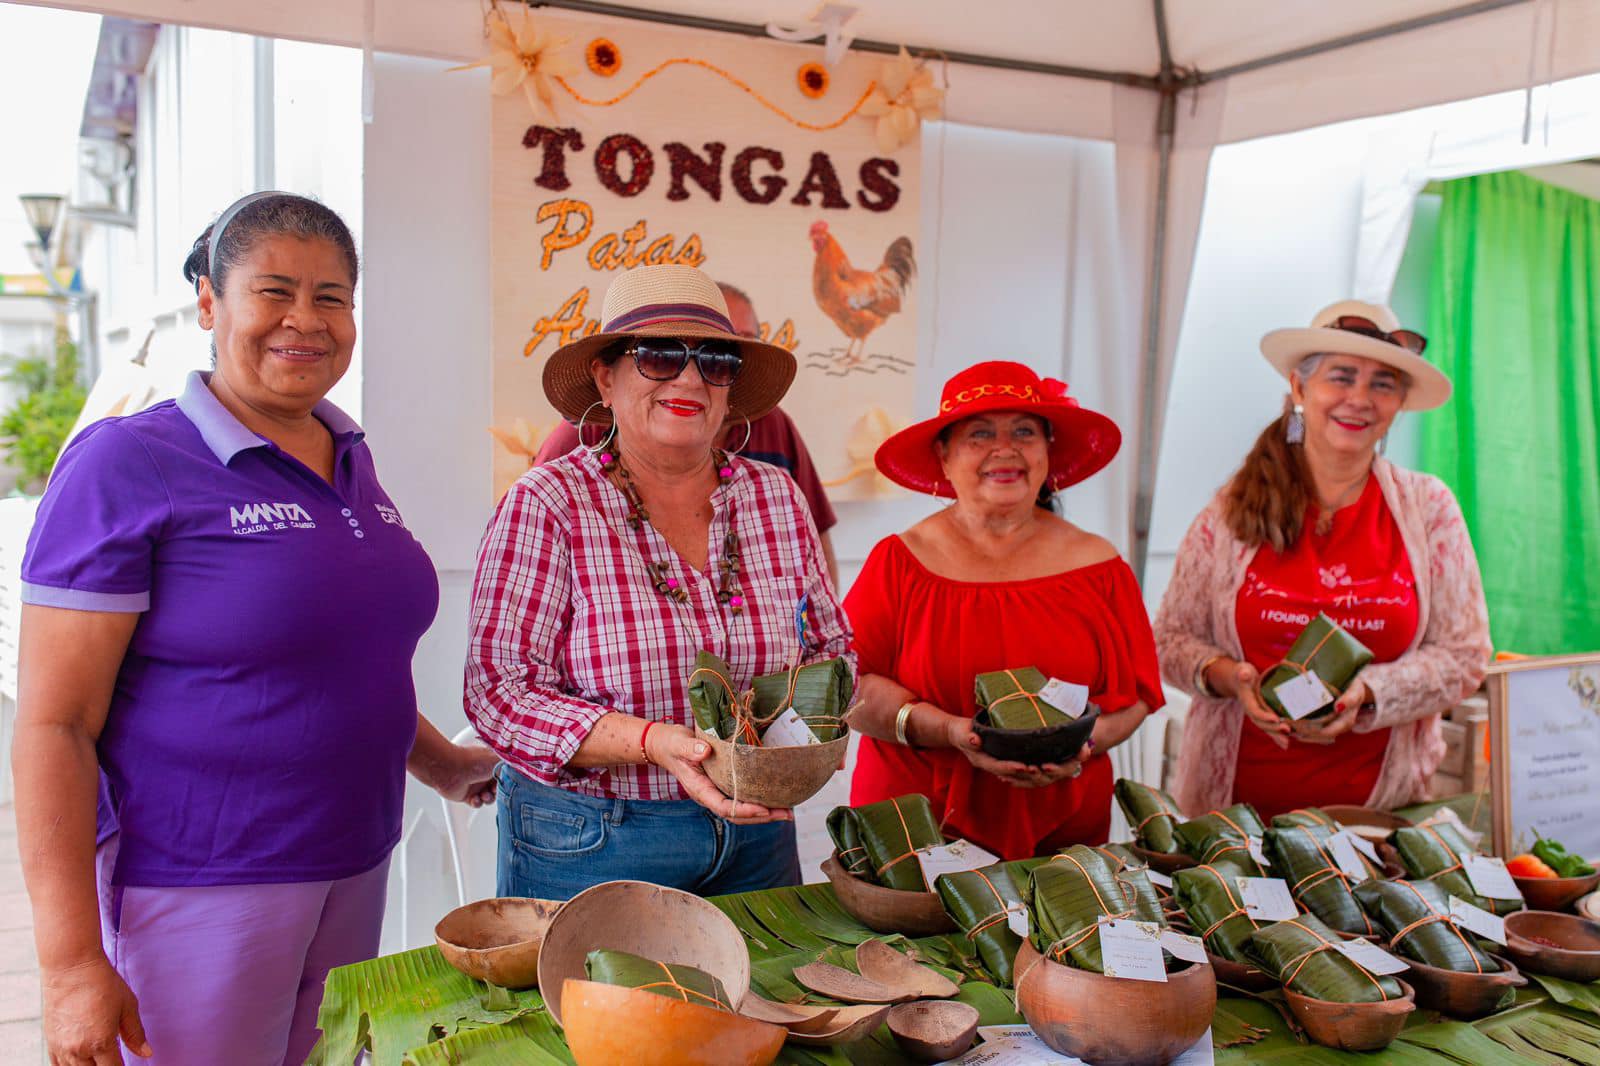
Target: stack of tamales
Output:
{"points": [[1300, 954], [1152, 814], [981, 902], [890, 833], [1209, 895], [1315, 879], [1416, 916], [1133, 875], [1012, 699], [1223, 834], [1066, 897], [673, 981], [819, 692], [1433, 853]]}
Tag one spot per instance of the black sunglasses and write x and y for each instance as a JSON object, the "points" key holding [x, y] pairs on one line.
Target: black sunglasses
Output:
{"points": [[663, 359], [1410, 340]]}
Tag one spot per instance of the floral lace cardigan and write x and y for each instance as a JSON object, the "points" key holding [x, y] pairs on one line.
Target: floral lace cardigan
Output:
{"points": [[1445, 663]]}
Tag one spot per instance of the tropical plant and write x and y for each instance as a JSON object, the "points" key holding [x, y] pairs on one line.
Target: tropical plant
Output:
{"points": [[36, 426]]}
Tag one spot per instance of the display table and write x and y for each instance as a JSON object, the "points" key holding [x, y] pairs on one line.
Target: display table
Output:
{"points": [[413, 1009]]}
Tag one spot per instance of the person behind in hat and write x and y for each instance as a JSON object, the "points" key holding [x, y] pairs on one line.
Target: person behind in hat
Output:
{"points": [[773, 438], [220, 608], [603, 573], [1317, 521], [995, 581]]}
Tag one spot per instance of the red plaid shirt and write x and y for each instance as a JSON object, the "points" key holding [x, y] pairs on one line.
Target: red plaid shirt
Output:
{"points": [[567, 625]]}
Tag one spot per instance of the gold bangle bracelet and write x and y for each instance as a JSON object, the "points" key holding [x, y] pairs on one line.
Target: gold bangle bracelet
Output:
{"points": [[902, 719], [1202, 685]]}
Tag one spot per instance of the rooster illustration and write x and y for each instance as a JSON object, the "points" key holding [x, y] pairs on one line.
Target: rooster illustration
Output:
{"points": [[859, 301]]}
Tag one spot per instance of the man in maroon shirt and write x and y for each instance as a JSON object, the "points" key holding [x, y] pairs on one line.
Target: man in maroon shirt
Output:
{"points": [[774, 438]]}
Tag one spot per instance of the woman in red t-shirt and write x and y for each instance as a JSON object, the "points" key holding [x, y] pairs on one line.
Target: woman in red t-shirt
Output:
{"points": [[996, 581], [1315, 521]]}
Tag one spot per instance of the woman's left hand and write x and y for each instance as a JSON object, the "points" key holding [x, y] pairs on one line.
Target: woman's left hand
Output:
{"points": [[468, 776], [1345, 710]]}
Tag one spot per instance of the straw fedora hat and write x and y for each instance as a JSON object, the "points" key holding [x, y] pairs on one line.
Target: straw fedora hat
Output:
{"points": [[1285, 348], [666, 301], [1082, 441]]}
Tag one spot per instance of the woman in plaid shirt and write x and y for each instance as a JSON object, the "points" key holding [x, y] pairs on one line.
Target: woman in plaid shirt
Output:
{"points": [[604, 572]]}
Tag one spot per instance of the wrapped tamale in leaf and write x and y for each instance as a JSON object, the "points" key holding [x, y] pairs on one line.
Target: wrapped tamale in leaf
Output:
{"points": [[1324, 649], [1416, 917], [1209, 895], [1134, 876], [1315, 819], [1433, 853], [1315, 879], [892, 831], [717, 705], [1300, 954], [1012, 700], [981, 902], [1223, 834], [1151, 813], [846, 833], [673, 981], [1066, 898], [819, 692]]}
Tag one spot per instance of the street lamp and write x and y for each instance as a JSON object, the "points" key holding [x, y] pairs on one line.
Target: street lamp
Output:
{"points": [[44, 211]]}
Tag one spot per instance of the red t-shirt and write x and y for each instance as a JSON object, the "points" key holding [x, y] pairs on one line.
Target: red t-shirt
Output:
{"points": [[934, 635], [1360, 576], [774, 440]]}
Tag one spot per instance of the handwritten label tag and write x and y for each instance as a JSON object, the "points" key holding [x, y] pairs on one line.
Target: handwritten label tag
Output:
{"points": [[1303, 695], [1370, 957], [1065, 696], [1477, 920], [788, 731], [1159, 879], [1343, 848], [1267, 899], [1256, 851], [1183, 946], [1132, 949], [1017, 920], [954, 858], [1490, 877], [1364, 846]]}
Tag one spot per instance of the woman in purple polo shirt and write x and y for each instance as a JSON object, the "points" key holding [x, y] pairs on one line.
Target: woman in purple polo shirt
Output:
{"points": [[220, 609]]}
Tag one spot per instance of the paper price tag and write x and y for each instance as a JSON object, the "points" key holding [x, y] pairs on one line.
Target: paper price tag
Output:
{"points": [[1159, 879], [1370, 957], [1477, 920], [1256, 851], [788, 731], [1343, 848], [1364, 846], [1132, 950], [1017, 920], [1065, 696], [1183, 946], [955, 858], [1267, 899], [1490, 877], [1303, 695]]}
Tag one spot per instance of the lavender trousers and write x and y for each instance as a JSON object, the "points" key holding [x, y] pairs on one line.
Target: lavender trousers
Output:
{"points": [[233, 973]]}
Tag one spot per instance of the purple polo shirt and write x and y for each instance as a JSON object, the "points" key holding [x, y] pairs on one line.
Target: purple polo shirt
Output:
{"points": [[263, 713]]}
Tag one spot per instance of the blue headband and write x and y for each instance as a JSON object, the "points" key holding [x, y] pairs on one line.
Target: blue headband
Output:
{"points": [[222, 224]]}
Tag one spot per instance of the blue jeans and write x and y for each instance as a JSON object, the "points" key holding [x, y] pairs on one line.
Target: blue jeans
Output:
{"points": [[555, 843]]}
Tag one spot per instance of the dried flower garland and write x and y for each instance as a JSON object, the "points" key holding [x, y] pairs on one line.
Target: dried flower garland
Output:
{"points": [[603, 56], [813, 79], [902, 97], [523, 57]]}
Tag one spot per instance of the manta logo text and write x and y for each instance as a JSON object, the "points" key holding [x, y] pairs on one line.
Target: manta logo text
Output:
{"points": [[259, 517]]}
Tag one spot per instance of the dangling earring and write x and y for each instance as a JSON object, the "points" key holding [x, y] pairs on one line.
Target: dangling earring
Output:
{"points": [[1295, 431], [1383, 444], [602, 446], [744, 443]]}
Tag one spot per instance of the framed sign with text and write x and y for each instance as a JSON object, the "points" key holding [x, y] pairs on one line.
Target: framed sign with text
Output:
{"points": [[1544, 729]]}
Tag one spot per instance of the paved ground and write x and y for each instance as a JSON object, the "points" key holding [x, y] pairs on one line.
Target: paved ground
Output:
{"points": [[20, 1041]]}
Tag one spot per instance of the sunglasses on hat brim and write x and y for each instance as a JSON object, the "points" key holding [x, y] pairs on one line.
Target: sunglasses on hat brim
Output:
{"points": [[1410, 340]]}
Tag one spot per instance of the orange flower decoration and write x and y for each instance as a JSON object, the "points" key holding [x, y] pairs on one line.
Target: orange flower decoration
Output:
{"points": [[603, 56], [813, 79]]}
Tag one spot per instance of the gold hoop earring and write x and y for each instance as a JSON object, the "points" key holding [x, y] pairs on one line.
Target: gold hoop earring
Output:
{"points": [[604, 442], [744, 443]]}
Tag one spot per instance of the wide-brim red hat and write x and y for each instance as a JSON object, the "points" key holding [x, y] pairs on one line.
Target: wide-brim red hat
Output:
{"points": [[1082, 441]]}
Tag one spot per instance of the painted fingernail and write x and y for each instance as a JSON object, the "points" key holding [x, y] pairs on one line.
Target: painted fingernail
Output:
{"points": [[699, 749]]}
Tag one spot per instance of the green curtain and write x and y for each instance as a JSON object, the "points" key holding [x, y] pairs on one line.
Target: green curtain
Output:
{"points": [[1512, 320]]}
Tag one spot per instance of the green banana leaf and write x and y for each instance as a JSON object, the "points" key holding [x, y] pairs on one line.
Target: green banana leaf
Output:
{"points": [[1325, 649], [1222, 834], [1399, 905], [892, 831], [1011, 698], [528, 1040], [1315, 819], [821, 694], [978, 902], [1433, 853], [1315, 879], [1133, 874], [1209, 895], [1066, 897], [1151, 812], [1299, 953], [845, 831], [683, 983], [716, 701]]}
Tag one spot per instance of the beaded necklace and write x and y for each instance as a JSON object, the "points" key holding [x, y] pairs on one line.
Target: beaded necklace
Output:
{"points": [[728, 589]]}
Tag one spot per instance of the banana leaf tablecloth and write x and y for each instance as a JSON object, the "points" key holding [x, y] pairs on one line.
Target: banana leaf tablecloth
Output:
{"points": [[412, 1009]]}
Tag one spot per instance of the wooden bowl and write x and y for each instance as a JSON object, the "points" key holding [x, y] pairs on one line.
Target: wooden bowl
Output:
{"points": [[1577, 958], [1051, 744], [888, 910], [1351, 815], [658, 923], [1467, 996], [1352, 1026], [934, 1031], [497, 940], [1166, 862], [1555, 893], [1109, 1020], [848, 1025], [1238, 975], [772, 777], [608, 1024]]}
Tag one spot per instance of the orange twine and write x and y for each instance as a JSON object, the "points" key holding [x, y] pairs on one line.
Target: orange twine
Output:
{"points": [[730, 77], [1324, 945], [1021, 694]]}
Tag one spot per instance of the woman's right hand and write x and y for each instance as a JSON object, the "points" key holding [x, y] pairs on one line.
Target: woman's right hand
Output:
{"points": [[960, 735], [87, 1010], [679, 752], [1238, 679]]}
